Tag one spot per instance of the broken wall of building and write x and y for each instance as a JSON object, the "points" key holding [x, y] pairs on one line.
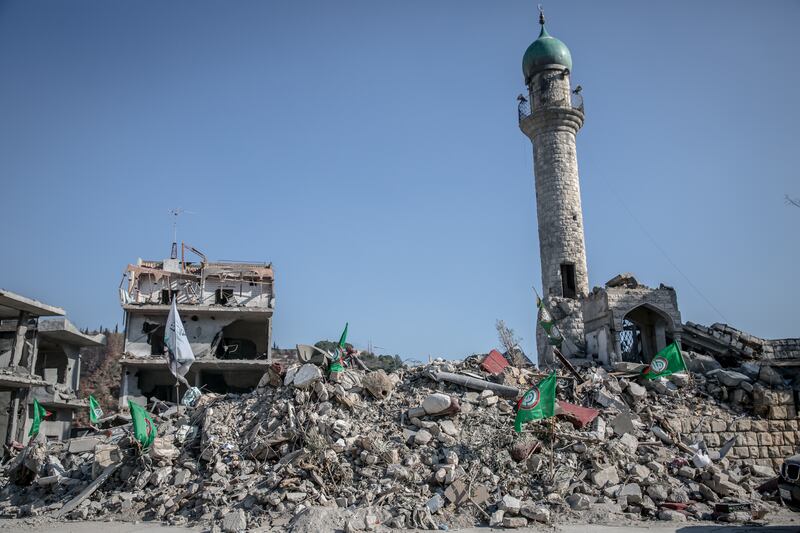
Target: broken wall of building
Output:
{"points": [[140, 384], [145, 333], [567, 316], [655, 312], [724, 341], [153, 290]]}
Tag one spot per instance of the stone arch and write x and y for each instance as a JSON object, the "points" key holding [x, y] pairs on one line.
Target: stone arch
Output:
{"points": [[643, 331]]}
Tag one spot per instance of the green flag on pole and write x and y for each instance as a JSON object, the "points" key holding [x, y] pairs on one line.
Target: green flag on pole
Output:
{"points": [[539, 402], [143, 427], [338, 364], [343, 338], [667, 361], [548, 324], [39, 414], [95, 411]]}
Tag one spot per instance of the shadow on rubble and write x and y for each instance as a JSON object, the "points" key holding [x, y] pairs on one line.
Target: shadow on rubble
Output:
{"points": [[738, 528]]}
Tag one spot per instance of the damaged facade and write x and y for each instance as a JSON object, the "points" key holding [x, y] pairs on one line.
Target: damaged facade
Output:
{"points": [[39, 359], [627, 321], [226, 308]]}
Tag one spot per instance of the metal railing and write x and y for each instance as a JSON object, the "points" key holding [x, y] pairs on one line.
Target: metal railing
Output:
{"points": [[524, 106]]}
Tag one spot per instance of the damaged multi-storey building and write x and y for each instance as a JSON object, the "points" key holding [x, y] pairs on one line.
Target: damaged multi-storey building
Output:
{"points": [[226, 308], [39, 359]]}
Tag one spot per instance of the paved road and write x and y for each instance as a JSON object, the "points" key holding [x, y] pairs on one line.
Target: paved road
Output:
{"points": [[788, 525]]}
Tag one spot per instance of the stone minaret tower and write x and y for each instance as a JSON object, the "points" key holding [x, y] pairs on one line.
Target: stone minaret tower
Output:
{"points": [[551, 119]]}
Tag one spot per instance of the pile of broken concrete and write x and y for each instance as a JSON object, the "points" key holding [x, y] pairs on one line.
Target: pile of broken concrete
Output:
{"points": [[428, 447]]}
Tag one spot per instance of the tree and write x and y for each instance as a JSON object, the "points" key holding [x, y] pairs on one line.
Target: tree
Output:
{"points": [[511, 344]]}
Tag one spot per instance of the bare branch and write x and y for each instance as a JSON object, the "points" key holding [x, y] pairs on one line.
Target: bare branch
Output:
{"points": [[510, 343], [792, 201]]}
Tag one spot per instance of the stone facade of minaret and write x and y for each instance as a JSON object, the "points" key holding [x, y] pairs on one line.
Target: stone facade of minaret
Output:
{"points": [[551, 118]]}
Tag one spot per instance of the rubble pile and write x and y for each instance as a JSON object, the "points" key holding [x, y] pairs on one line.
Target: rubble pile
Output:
{"points": [[425, 447]]}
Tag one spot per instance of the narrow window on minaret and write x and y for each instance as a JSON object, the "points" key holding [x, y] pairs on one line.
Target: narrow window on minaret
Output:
{"points": [[568, 281]]}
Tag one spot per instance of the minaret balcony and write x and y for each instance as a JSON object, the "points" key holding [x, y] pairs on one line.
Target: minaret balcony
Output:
{"points": [[567, 113], [524, 106]]}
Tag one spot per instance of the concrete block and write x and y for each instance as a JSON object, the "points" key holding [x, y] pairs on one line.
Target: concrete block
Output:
{"points": [[782, 411], [743, 424], [718, 426], [740, 452], [82, 444]]}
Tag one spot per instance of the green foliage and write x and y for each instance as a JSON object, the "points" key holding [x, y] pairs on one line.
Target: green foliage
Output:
{"points": [[330, 346], [388, 363]]}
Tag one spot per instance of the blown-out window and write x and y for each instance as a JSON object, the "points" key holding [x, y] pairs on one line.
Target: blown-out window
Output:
{"points": [[568, 284]]}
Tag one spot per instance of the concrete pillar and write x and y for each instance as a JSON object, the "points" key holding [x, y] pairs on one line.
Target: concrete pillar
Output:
{"points": [[19, 339], [661, 336], [34, 355], [76, 372], [269, 339], [123, 393], [13, 409]]}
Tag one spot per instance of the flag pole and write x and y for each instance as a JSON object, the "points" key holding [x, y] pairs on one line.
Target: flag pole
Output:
{"points": [[552, 439], [685, 366]]}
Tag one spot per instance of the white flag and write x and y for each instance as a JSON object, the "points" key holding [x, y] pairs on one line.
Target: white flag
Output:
{"points": [[179, 351]]}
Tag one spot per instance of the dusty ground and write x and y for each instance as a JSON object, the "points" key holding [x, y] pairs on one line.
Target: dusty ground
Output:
{"points": [[784, 522]]}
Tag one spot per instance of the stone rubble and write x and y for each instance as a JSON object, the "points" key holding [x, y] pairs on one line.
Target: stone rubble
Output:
{"points": [[375, 450]]}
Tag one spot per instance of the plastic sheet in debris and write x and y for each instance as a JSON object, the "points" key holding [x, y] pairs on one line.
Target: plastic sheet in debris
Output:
{"points": [[191, 397]]}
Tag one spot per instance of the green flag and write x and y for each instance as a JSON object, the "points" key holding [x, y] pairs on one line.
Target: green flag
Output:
{"points": [[39, 414], [338, 364], [95, 411], [143, 427], [666, 362], [539, 402], [343, 338], [548, 324]]}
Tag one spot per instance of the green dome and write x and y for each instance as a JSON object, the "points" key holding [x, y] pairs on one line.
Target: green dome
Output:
{"points": [[546, 50]]}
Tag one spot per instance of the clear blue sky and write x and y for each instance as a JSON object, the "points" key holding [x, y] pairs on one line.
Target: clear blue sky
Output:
{"points": [[370, 150]]}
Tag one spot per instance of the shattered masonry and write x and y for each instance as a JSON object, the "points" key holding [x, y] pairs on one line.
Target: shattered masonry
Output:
{"points": [[427, 447]]}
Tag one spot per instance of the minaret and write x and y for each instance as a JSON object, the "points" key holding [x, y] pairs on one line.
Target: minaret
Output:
{"points": [[551, 119]]}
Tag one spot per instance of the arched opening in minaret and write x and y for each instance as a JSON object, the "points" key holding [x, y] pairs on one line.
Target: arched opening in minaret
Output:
{"points": [[646, 330]]}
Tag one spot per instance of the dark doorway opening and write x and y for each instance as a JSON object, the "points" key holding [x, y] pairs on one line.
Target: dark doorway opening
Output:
{"points": [[645, 331], [155, 337], [568, 283]]}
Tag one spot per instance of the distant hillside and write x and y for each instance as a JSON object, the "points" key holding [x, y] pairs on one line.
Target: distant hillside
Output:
{"points": [[101, 372]]}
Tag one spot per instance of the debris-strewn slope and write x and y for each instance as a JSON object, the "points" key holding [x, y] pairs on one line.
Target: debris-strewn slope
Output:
{"points": [[364, 450]]}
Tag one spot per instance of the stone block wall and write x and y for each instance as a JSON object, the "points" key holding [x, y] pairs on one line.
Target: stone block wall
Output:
{"points": [[774, 404], [622, 300], [759, 441], [738, 343], [568, 318], [766, 442]]}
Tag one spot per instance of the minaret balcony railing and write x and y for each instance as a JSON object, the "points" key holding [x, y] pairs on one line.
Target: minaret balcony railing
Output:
{"points": [[524, 107]]}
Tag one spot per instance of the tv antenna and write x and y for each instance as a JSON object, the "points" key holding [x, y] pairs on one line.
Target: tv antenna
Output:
{"points": [[174, 213]]}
